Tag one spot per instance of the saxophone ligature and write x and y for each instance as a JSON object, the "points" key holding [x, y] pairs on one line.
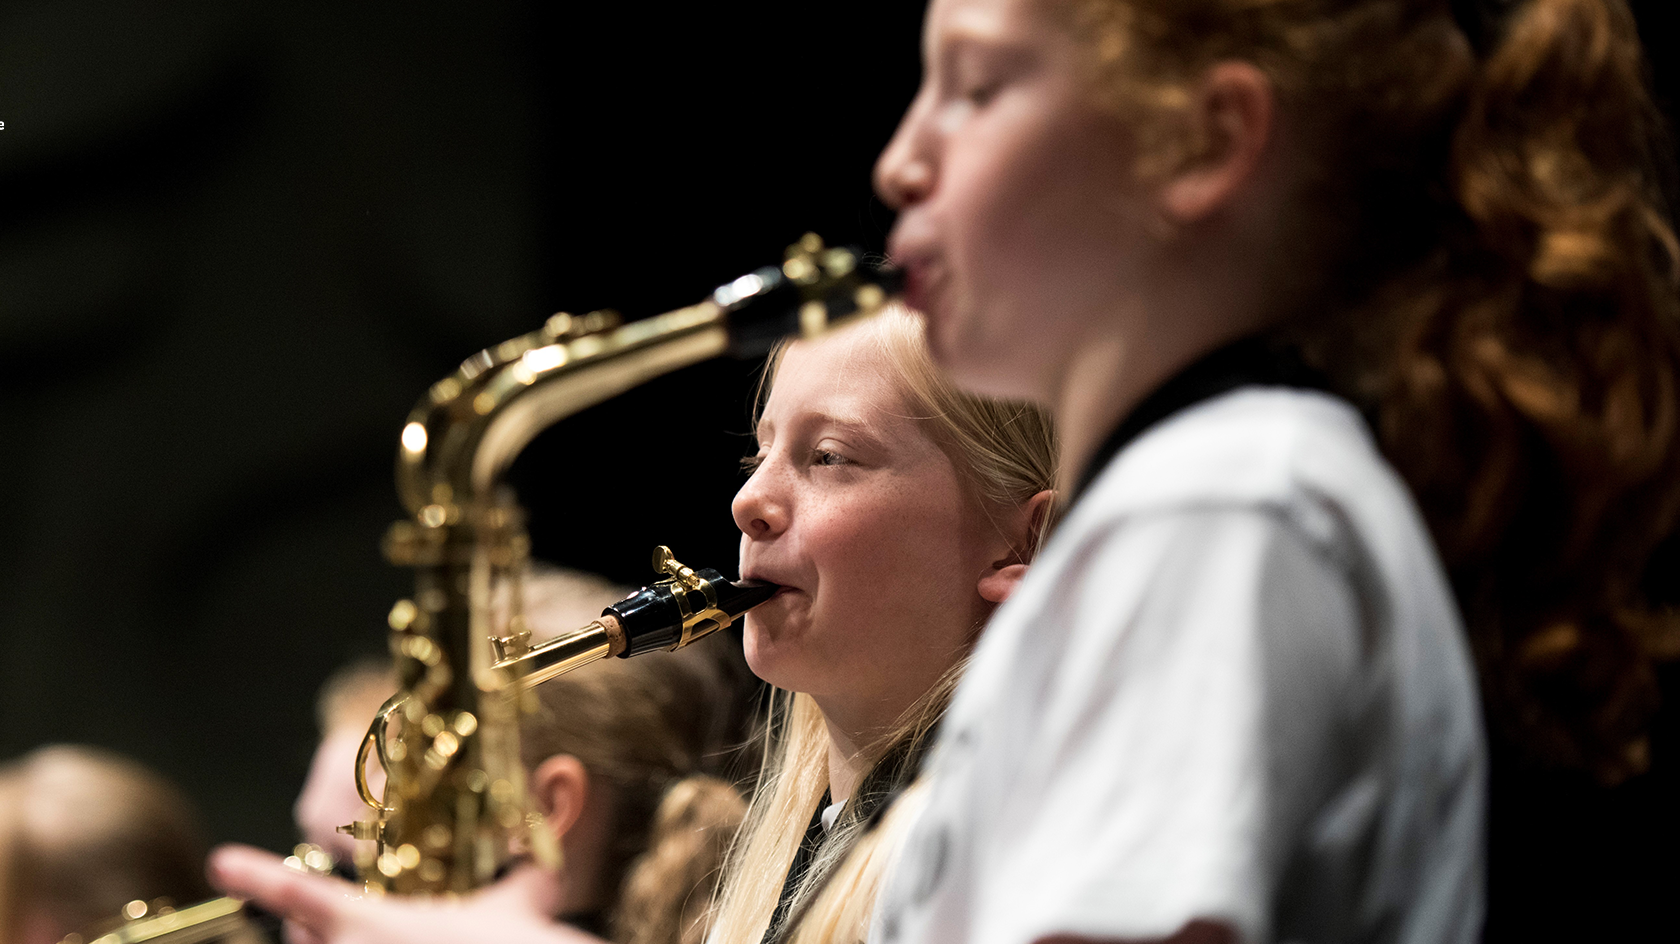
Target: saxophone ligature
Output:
{"points": [[454, 805]]}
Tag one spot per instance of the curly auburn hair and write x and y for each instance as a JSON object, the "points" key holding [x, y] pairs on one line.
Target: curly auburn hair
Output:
{"points": [[1486, 211]]}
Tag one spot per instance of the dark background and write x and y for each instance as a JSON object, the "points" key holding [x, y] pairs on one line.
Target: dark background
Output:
{"points": [[238, 241]]}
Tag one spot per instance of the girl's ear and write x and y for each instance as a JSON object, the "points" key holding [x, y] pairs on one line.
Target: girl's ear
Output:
{"points": [[560, 786], [1026, 528], [1232, 117]]}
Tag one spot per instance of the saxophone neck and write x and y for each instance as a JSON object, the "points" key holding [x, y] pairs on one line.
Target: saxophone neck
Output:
{"points": [[672, 613]]}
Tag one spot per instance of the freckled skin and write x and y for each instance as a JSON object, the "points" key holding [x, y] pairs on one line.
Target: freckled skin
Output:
{"points": [[864, 518]]}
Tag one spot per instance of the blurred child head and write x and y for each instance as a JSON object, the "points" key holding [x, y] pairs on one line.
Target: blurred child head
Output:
{"points": [[83, 832]]}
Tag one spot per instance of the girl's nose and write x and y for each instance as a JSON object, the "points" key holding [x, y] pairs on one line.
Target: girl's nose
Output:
{"points": [[904, 173], [758, 512]]}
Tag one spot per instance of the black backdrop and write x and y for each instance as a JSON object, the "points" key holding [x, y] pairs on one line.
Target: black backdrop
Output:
{"points": [[238, 241]]}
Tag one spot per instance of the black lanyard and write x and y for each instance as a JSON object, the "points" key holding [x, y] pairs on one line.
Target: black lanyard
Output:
{"points": [[802, 858], [1249, 362]]}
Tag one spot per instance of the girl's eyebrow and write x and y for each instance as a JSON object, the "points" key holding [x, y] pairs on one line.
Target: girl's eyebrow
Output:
{"points": [[974, 46], [842, 422], [954, 47], [850, 425]]}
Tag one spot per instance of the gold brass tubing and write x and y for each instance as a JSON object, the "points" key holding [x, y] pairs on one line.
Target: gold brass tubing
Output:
{"points": [[376, 738], [205, 921], [512, 397], [599, 640], [692, 336], [458, 791], [362, 789]]}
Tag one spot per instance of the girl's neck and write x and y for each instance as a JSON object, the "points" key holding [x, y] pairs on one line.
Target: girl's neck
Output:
{"points": [[1103, 383], [1111, 372], [849, 757]]}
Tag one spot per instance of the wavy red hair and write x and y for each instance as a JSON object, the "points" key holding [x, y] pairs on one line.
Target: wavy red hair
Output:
{"points": [[1489, 231]]}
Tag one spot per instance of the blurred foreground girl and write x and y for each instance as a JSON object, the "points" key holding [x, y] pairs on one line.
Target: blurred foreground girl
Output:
{"points": [[1234, 700]]}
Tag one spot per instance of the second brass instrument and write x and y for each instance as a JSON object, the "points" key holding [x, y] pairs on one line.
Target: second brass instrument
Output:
{"points": [[454, 802]]}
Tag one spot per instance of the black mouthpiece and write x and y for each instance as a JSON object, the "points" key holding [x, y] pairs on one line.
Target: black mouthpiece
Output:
{"points": [[815, 289], [738, 596], [653, 618]]}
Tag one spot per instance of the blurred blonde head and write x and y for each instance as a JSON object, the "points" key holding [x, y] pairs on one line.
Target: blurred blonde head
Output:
{"points": [[83, 832], [640, 810]]}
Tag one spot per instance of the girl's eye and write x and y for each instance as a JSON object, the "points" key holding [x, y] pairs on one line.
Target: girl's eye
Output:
{"points": [[980, 95], [826, 457], [750, 464]]}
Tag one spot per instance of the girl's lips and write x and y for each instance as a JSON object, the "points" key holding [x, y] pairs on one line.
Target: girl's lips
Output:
{"points": [[921, 285], [781, 586]]}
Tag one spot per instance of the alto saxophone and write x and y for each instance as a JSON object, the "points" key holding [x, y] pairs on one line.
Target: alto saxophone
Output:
{"points": [[454, 805]]}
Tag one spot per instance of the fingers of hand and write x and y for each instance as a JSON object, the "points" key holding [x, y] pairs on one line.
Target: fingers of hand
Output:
{"points": [[315, 902]]}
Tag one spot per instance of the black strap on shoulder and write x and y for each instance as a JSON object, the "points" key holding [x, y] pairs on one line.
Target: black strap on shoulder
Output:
{"points": [[875, 792], [802, 859], [1249, 362]]}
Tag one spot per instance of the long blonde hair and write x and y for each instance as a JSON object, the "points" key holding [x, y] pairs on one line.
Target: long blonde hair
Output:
{"points": [[1004, 452], [840, 912]]}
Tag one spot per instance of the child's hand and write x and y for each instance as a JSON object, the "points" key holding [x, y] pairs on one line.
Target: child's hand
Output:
{"points": [[321, 910]]}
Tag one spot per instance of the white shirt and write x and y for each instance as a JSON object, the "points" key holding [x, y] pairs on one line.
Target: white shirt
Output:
{"points": [[1233, 687]]}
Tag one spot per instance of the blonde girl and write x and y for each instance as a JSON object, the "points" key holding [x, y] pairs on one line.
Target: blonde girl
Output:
{"points": [[897, 513]]}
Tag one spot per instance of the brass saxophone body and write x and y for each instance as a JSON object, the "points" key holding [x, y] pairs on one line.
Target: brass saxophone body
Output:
{"points": [[454, 803]]}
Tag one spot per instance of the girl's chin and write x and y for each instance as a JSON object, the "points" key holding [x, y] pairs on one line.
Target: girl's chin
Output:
{"points": [[775, 657], [760, 652]]}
